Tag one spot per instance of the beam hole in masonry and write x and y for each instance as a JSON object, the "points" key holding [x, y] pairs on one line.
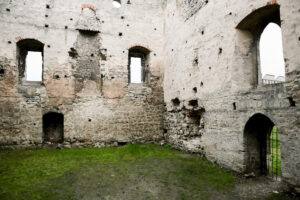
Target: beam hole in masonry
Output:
{"points": [[7, 9], [66, 27], [2, 72], [202, 32], [9, 42], [56, 76], [122, 17], [194, 117], [234, 106], [46, 15], [195, 89], [292, 102], [46, 25], [122, 143], [128, 2], [120, 34], [48, 6], [201, 84], [220, 51], [117, 3], [193, 103], [165, 130], [89, 120], [175, 102]]}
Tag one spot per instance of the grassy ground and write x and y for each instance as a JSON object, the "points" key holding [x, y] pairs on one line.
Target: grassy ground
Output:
{"points": [[130, 172], [275, 152]]}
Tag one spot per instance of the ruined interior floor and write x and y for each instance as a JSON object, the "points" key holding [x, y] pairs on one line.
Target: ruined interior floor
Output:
{"points": [[200, 87], [128, 172]]}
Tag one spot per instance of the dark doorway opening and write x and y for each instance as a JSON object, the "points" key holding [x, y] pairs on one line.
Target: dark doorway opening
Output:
{"points": [[263, 156], [53, 127]]}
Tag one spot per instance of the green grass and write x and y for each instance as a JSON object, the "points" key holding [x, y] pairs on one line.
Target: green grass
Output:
{"points": [[275, 152], [130, 172]]}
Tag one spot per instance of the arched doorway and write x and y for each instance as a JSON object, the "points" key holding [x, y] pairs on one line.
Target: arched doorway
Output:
{"points": [[262, 142], [53, 127]]}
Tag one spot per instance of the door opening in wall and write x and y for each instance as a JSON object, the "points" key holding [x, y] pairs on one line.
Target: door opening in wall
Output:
{"points": [[262, 143], [53, 127]]}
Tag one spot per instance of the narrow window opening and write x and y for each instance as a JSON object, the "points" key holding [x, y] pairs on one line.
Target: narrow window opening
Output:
{"points": [[34, 66], [30, 60], [272, 64], [136, 70], [117, 3], [138, 65]]}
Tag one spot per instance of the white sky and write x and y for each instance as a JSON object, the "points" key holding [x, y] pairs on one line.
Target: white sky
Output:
{"points": [[271, 52], [135, 70], [34, 69], [116, 4]]}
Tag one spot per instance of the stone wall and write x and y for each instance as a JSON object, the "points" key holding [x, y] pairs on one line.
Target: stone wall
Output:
{"points": [[85, 75], [203, 83], [209, 59]]}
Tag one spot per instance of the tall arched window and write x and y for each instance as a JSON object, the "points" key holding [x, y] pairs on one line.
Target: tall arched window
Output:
{"points": [[258, 49], [30, 60], [271, 55], [138, 64]]}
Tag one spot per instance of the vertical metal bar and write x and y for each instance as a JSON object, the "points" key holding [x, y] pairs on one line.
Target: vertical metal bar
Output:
{"points": [[276, 154]]}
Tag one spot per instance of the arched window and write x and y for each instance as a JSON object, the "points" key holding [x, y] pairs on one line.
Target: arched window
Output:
{"points": [[53, 127], [138, 64], [271, 55], [30, 60], [253, 47], [116, 3], [262, 143]]}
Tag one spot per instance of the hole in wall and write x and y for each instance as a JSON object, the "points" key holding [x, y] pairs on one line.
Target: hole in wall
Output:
{"points": [[120, 34], [66, 27], [53, 127], [292, 102], [201, 84], [234, 106], [46, 15], [202, 32], [7, 9], [193, 103], [2, 72], [220, 51], [165, 130], [46, 25], [195, 62], [195, 89], [193, 117], [89, 120], [9, 42], [48, 46], [56, 76], [122, 143], [175, 102], [71, 19], [122, 17], [48, 6]]}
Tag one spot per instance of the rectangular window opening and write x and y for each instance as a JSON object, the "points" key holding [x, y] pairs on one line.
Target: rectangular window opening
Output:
{"points": [[135, 70], [34, 66]]}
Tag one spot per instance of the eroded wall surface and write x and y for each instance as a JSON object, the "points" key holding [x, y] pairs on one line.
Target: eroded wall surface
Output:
{"points": [[209, 60], [85, 75]]}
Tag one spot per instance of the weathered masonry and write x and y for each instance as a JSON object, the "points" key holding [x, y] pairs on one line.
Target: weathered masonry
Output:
{"points": [[188, 72]]}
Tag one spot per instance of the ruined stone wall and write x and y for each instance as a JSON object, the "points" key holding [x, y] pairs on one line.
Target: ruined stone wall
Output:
{"points": [[210, 61], [85, 73]]}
